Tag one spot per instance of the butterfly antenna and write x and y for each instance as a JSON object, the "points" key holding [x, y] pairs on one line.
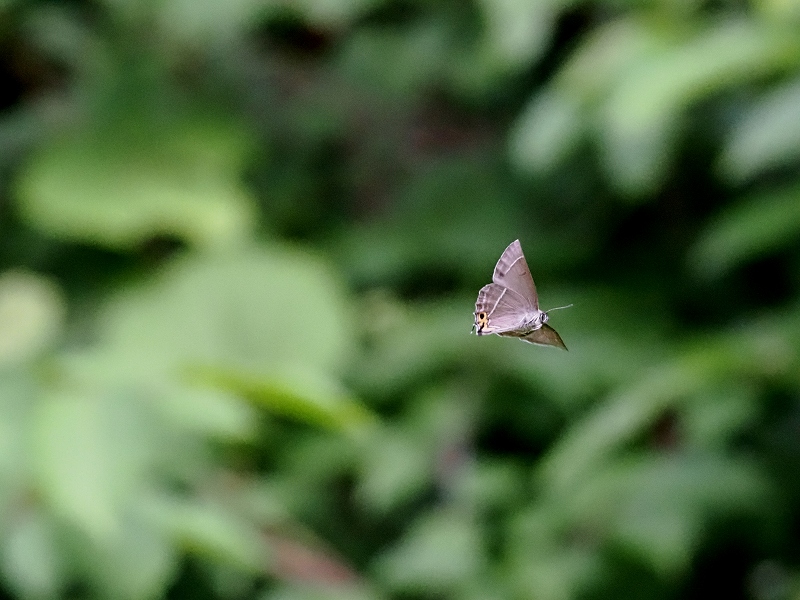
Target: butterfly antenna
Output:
{"points": [[559, 308]]}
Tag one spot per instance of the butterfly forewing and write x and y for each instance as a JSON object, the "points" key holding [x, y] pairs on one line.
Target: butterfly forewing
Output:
{"points": [[500, 309], [512, 272]]}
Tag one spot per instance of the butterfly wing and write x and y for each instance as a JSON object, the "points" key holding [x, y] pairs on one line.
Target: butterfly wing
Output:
{"points": [[499, 309], [545, 336], [512, 272]]}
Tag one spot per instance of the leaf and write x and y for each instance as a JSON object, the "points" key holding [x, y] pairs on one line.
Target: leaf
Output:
{"points": [[440, 551], [517, 31], [208, 21], [210, 531], [561, 574], [210, 413], [712, 420], [137, 562], [395, 62], [395, 468], [121, 184], [657, 505], [31, 315], [548, 131], [610, 426], [556, 120], [301, 393], [19, 394], [32, 560], [256, 309], [329, 13], [748, 230], [641, 114], [767, 136], [270, 325], [91, 456]]}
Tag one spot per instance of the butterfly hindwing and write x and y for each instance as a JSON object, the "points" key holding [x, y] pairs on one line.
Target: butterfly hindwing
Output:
{"points": [[499, 309], [545, 336]]}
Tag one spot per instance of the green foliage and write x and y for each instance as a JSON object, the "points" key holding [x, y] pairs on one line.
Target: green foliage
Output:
{"points": [[240, 242]]}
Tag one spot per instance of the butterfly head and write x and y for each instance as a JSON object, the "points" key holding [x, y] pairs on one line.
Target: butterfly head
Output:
{"points": [[544, 317]]}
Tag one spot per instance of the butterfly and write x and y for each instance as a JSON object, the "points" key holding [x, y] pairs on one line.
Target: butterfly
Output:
{"points": [[509, 306]]}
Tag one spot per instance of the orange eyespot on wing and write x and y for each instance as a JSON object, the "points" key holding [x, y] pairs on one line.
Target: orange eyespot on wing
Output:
{"points": [[481, 320]]}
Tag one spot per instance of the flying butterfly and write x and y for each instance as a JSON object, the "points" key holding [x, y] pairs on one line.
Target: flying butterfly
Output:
{"points": [[509, 306]]}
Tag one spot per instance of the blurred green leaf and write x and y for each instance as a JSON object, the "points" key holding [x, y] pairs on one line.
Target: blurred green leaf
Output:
{"points": [[609, 427], [517, 31], [268, 325], [119, 185], [138, 562], [543, 561], [18, 397], [211, 531], [395, 469], [210, 21], [714, 418], [490, 484], [547, 131], [209, 412], [640, 116], [256, 309], [329, 13], [656, 506], [304, 394], [91, 456], [768, 136], [32, 559], [748, 230], [439, 552], [396, 62], [31, 315]]}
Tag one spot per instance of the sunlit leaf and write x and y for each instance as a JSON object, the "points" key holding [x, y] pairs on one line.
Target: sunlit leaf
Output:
{"points": [[261, 309], [768, 135], [547, 131], [208, 21], [517, 31], [120, 185], [91, 456], [642, 113], [31, 314]]}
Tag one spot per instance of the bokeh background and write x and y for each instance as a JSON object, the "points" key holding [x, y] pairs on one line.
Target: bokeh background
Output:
{"points": [[240, 245]]}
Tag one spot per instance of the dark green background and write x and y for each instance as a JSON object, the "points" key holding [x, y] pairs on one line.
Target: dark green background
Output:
{"points": [[240, 245]]}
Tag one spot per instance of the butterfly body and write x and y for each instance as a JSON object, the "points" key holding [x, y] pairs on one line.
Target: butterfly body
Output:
{"points": [[509, 306]]}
